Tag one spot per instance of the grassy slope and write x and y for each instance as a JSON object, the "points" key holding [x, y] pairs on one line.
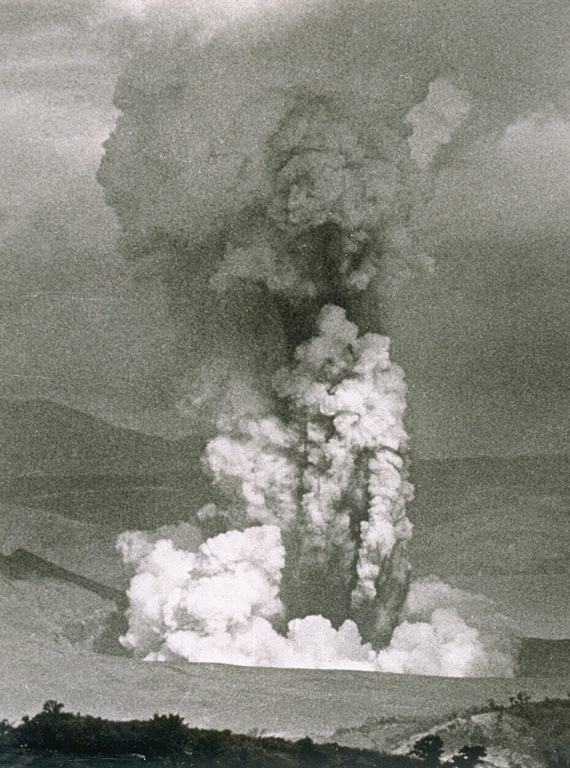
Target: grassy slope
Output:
{"points": [[525, 733]]}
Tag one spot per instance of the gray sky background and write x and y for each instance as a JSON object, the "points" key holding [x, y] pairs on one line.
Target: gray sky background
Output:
{"points": [[485, 341]]}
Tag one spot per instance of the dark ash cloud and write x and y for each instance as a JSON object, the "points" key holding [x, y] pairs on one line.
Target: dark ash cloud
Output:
{"points": [[493, 318]]}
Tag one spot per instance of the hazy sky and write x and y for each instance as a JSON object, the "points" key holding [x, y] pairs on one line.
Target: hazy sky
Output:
{"points": [[485, 341]]}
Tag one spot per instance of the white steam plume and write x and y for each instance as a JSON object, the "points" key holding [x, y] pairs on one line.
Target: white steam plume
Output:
{"points": [[220, 603], [325, 494]]}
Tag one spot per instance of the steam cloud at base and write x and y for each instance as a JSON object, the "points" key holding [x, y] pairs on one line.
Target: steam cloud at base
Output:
{"points": [[217, 604], [261, 169]]}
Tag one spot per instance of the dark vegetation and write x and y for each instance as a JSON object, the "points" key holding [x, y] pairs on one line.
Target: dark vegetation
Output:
{"points": [[548, 721], [66, 740], [429, 750], [539, 730], [54, 737], [165, 740]]}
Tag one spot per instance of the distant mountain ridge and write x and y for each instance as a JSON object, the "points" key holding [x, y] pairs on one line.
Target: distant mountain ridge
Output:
{"points": [[38, 437], [21, 564], [535, 472]]}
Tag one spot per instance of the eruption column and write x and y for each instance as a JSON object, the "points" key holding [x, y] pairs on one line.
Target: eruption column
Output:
{"points": [[325, 459], [333, 478], [331, 471], [260, 167]]}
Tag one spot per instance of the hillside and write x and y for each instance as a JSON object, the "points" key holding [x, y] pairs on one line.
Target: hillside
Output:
{"points": [[534, 734], [84, 547], [58, 459], [58, 635], [533, 472], [38, 437], [33, 573], [48, 630], [499, 527]]}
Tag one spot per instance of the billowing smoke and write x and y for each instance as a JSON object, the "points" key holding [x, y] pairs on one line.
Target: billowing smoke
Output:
{"points": [[221, 603], [261, 169], [332, 476]]}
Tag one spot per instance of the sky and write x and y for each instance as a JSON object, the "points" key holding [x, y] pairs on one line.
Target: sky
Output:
{"points": [[484, 339]]}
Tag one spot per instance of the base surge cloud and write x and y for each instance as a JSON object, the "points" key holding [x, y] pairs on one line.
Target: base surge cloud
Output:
{"points": [[220, 603], [262, 168]]}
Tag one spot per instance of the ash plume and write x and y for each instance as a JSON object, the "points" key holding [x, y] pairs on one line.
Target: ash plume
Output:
{"points": [[265, 176]]}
